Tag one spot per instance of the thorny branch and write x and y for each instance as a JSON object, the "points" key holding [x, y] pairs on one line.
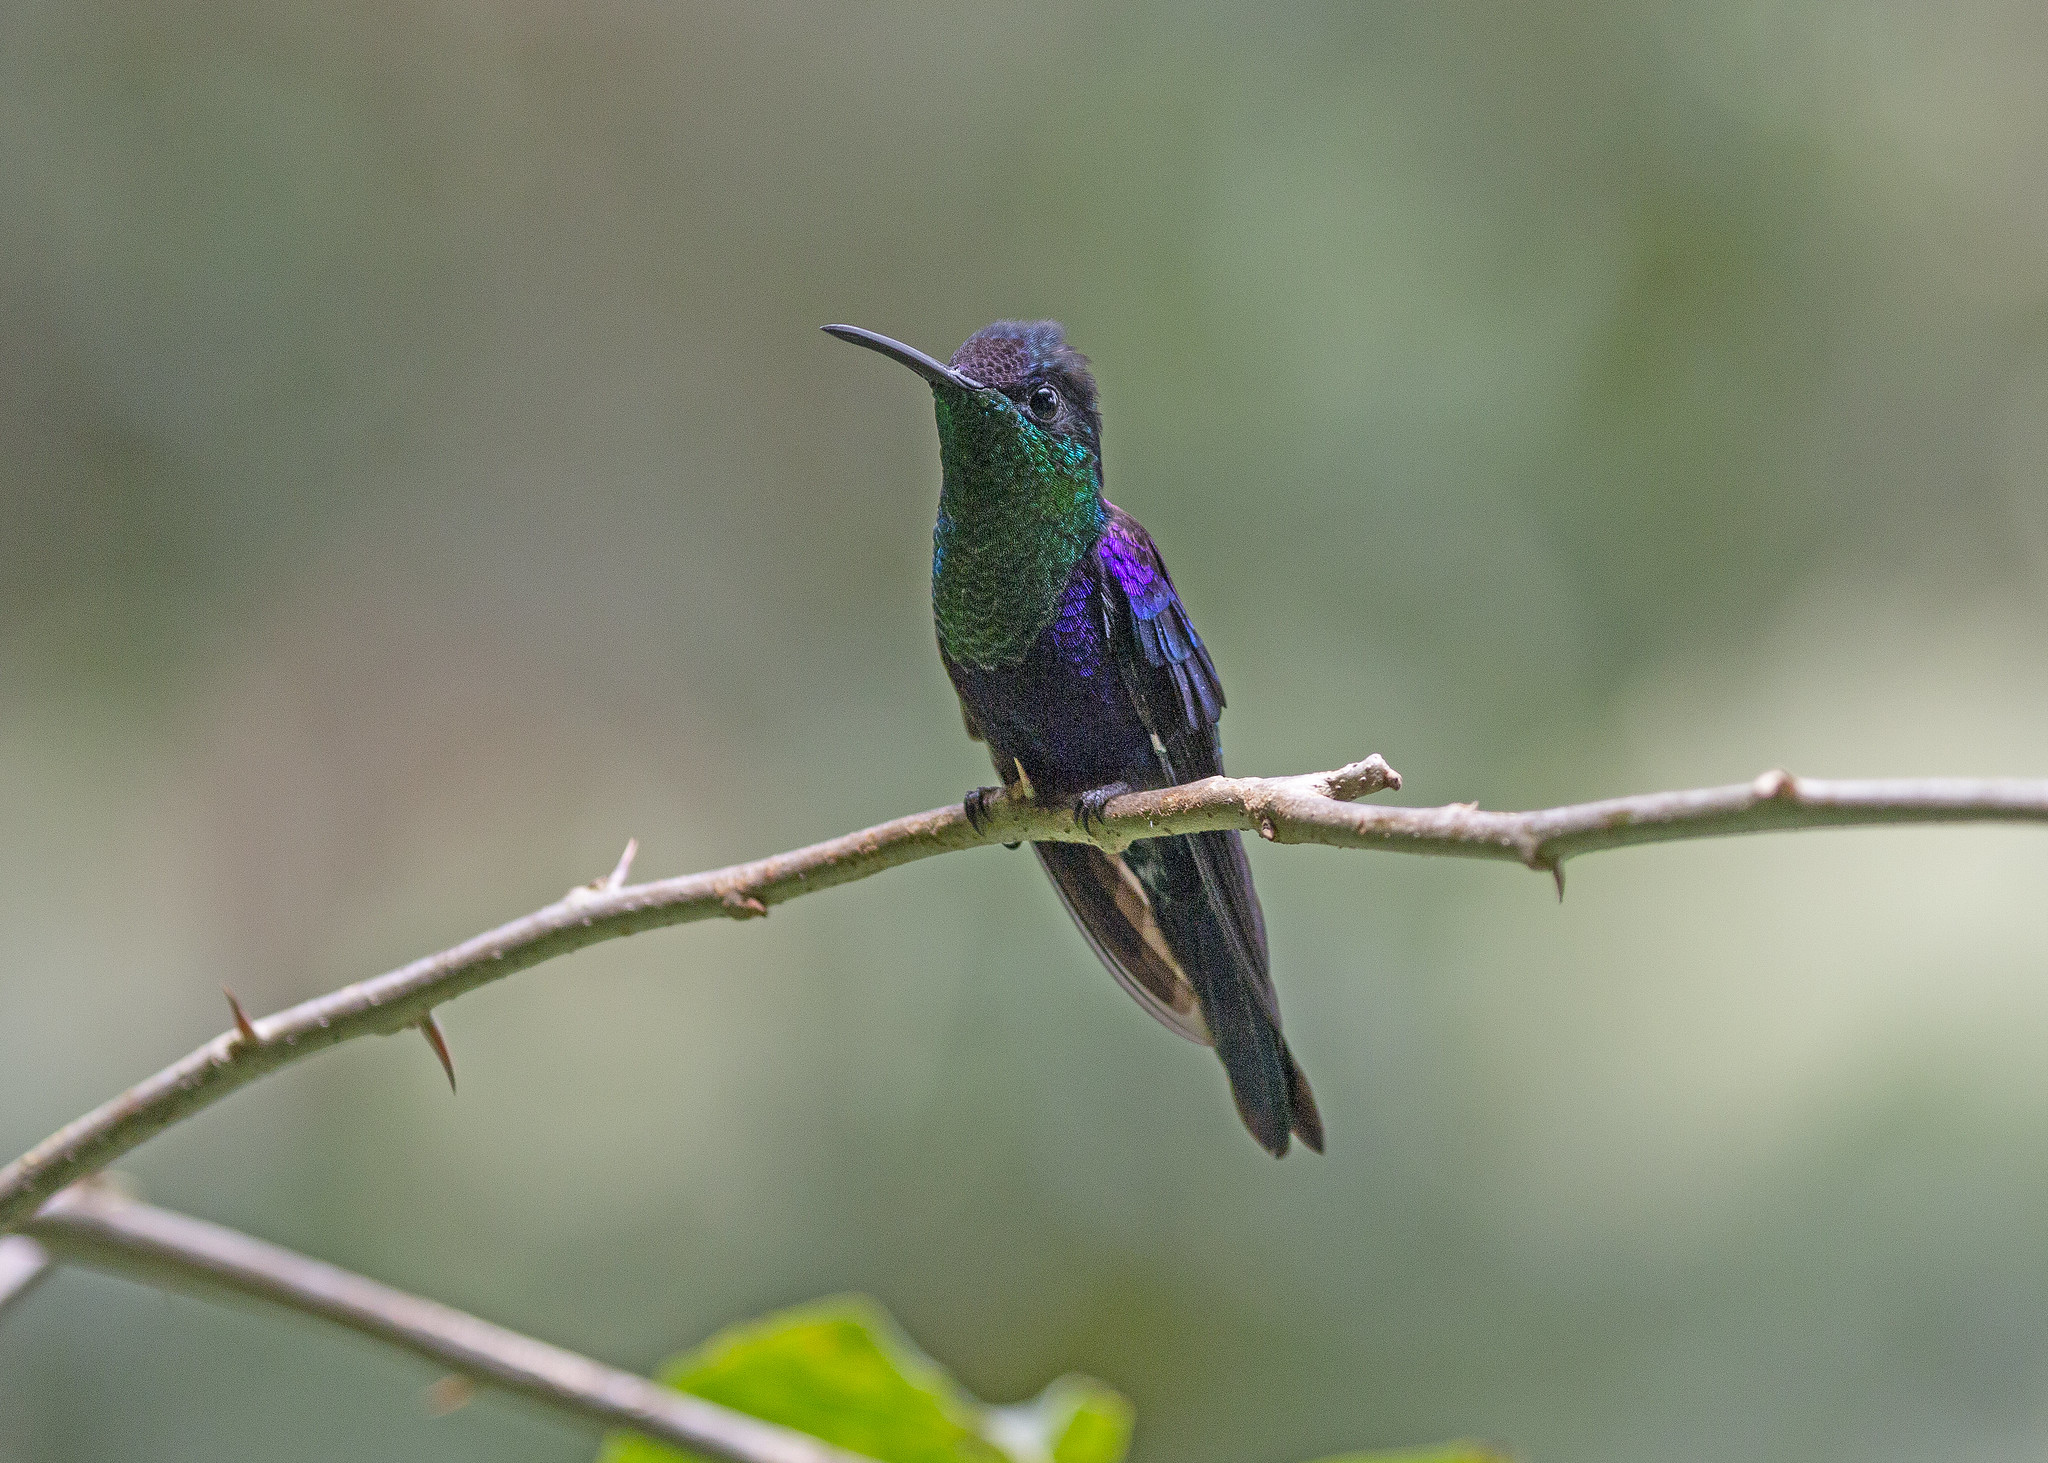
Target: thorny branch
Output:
{"points": [[1315, 808], [92, 1225]]}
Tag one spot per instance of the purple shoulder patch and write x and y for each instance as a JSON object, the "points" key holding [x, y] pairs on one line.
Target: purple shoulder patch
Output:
{"points": [[1135, 571]]}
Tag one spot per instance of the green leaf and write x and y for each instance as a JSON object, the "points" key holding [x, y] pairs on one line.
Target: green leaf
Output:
{"points": [[840, 1370], [1075, 1420]]}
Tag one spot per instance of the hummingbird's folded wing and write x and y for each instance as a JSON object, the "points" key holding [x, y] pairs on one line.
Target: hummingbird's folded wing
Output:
{"points": [[1168, 673], [1171, 676], [1112, 910], [1198, 887]]}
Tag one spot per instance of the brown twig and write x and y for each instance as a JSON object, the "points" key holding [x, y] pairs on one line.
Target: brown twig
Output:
{"points": [[1315, 808], [94, 1226]]}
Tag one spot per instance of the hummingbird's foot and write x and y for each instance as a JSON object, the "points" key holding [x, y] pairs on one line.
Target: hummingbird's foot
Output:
{"points": [[1088, 807], [975, 806]]}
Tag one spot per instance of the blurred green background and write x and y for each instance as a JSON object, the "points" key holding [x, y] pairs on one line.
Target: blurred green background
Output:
{"points": [[420, 469]]}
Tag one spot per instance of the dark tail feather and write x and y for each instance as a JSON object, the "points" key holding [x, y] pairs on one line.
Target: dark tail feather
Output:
{"points": [[1224, 957], [1308, 1122], [1254, 1058]]}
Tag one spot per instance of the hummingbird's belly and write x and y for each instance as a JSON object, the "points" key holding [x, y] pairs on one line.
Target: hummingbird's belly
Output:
{"points": [[1063, 712]]}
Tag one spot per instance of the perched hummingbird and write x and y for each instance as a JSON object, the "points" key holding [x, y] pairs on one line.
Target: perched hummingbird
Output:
{"points": [[1076, 663]]}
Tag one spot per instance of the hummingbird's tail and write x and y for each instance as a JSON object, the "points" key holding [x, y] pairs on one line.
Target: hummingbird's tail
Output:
{"points": [[1224, 933], [1177, 922], [1303, 1116]]}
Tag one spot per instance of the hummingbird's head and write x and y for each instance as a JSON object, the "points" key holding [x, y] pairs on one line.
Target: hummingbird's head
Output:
{"points": [[1013, 386], [1031, 364], [1020, 495]]}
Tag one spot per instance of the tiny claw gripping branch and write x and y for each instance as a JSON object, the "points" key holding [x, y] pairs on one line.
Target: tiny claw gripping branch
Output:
{"points": [[1089, 808], [975, 807]]}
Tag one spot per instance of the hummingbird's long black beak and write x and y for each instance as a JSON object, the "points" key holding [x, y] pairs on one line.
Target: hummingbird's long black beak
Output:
{"points": [[936, 372]]}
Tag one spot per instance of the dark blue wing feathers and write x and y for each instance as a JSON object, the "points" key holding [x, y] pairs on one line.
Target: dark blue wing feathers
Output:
{"points": [[1199, 886], [1164, 635]]}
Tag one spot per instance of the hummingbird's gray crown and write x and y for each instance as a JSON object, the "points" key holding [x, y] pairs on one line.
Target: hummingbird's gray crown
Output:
{"points": [[1018, 356]]}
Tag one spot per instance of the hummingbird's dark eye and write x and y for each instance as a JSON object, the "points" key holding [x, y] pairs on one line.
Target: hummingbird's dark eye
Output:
{"points": [[1044, 403]]}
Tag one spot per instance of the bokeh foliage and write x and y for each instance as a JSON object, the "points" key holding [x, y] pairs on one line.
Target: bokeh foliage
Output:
{"points": [[841, 1371]]}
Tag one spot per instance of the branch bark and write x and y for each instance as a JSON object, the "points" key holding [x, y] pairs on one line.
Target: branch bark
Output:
{"points": [[1314, 808], [93, 1226]]}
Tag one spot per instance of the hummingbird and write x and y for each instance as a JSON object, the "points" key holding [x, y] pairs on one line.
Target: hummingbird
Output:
{"points": [[1076, 664]]}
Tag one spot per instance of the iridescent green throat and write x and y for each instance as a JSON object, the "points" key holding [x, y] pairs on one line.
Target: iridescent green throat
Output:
{"points": [[1018, 507]]}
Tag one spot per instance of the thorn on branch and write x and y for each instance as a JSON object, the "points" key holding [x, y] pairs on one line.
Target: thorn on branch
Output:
{"points": [[1266, 829], [607, 883], [451, 1394], [439, 1043], [616, 879], [742, 906], [1777, 785], [1557, 873], [245, 1030], [1022, 788], [367, 1007]]}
